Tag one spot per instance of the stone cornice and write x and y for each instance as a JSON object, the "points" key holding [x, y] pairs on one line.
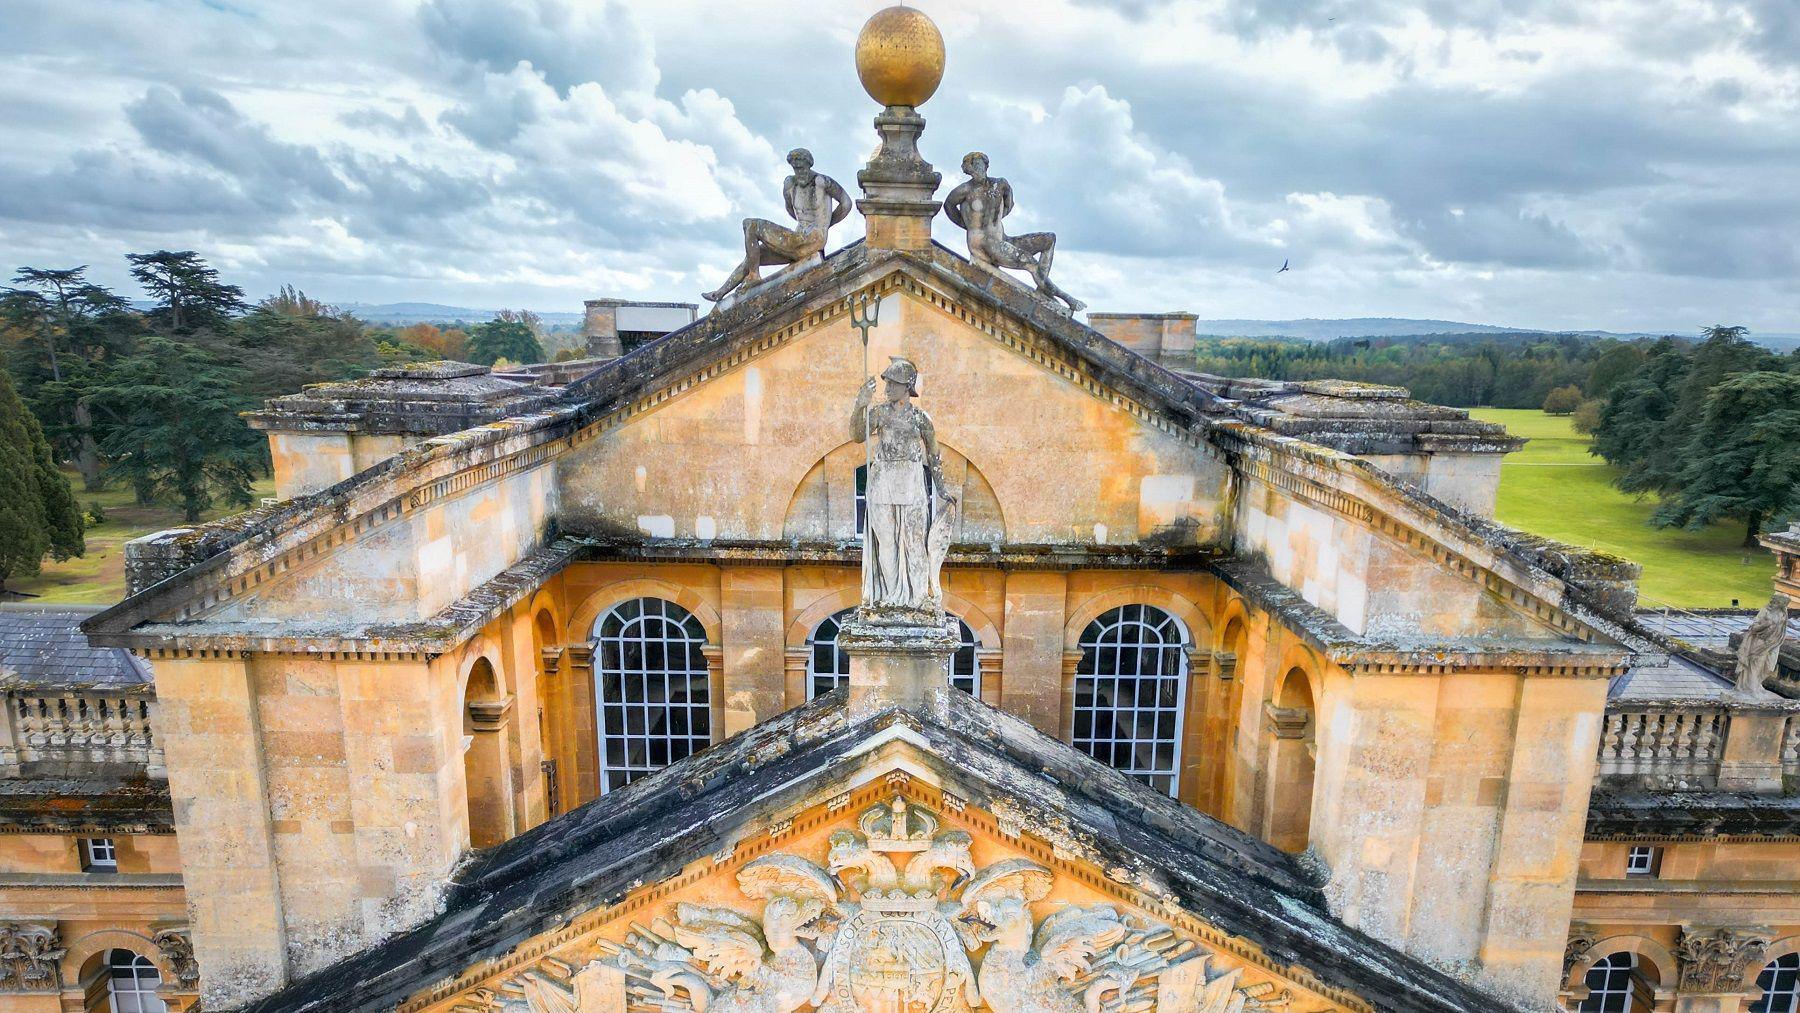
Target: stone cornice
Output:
{"points": [[1358, 654]]}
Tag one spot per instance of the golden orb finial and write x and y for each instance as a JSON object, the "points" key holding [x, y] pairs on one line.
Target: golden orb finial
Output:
{"points": [[900, 57]]}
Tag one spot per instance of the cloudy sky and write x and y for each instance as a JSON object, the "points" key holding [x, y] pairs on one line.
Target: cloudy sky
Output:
{"points": [[1625, 164]]}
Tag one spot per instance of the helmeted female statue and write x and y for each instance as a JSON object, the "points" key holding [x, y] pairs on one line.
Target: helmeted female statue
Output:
{"points": [[905, 495]]}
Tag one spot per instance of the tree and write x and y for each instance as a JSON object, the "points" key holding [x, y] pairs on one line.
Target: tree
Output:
{"points": [[77, 323], [1744, 459], [175, 430], [290, 340], [511, 340], [1563, 400], [1634, 422], [1587, 418], [188, 291], [38, 512]]}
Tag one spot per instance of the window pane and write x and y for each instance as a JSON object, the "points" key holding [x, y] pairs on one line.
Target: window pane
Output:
{"points": [[1130, 688], [652, 686]]}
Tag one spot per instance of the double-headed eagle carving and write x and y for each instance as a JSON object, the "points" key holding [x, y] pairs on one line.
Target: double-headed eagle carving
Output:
{"points": [[899, 919]]}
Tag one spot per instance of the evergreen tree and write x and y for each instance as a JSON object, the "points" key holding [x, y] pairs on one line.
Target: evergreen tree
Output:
{"points": [[290, 340], [175, 431], [1633, 423], [187, 290], [74, 327], [38, 512], [511, 340], [1744, 459]]}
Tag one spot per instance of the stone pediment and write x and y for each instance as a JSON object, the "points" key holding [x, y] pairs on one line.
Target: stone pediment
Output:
{"points": [[893, 863], [880, 901]]}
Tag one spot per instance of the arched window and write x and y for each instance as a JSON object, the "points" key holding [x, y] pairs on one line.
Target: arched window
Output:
{"points": [[1780, 985], [862, 496], [652, 687], [828, 667], [1609, 984], [1130, 688], [131, 982]]}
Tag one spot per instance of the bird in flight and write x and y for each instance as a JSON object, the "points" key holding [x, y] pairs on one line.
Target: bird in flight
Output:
{"points": [[1284, 266]]}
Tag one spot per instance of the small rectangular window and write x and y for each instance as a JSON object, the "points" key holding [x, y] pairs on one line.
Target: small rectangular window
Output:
{"points": [[98, 854], [1643, 861]]}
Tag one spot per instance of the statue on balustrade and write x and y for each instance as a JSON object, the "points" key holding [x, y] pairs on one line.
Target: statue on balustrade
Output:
{"points": [[1759, 652]]}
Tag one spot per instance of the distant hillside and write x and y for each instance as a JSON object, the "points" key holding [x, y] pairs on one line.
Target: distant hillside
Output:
{"points": [[398, 313], [1352, 327], [1312, 329]]}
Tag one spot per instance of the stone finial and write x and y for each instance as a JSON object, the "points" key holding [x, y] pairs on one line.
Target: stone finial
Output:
{"points": [[977, 206], [815, 201], [900, 59]]}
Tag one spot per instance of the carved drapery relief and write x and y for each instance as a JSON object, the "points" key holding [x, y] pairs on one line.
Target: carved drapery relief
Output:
{"points": [[1580, 944], [28, 957], [177, 947], [897, 919], [1719, 960]]}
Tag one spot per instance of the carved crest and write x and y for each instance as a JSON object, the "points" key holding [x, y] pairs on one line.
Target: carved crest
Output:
{"points": [[897, 920]]}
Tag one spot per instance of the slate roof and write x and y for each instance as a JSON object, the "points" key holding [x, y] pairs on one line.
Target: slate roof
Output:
{"points": [[1671, 677], [43, 647], [594, 856], [1712, 629]]}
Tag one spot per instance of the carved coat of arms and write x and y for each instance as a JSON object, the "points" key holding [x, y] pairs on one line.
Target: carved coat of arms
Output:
{"points": [[897, 920]]}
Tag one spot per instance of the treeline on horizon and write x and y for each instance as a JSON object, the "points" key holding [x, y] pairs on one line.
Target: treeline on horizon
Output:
{"points": [[1708, 425], [149, 398]]}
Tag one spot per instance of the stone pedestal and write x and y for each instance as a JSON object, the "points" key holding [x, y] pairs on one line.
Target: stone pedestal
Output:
{"points": [[899, 186], [899, 659], [1752, 760]]}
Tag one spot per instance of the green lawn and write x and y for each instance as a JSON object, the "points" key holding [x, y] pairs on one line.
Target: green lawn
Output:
{"points": [[98, 578], [1554, 488]]}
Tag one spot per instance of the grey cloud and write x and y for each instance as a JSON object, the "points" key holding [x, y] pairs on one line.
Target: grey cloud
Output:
{"points": [[553, 147], [569, 43]]}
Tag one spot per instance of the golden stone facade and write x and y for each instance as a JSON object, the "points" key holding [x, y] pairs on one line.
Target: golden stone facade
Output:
{"points": [[536, 704]]}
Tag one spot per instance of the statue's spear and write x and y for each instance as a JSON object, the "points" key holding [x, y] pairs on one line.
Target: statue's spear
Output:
{"points": [[865, 312]]}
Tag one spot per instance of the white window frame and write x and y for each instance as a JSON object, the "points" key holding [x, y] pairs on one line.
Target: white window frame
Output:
{"points": [[647, 727], [1617, 972], [131, 983], [965, 664], [1780, 985], [1644, 861], [1168, 663], [99, 854]]}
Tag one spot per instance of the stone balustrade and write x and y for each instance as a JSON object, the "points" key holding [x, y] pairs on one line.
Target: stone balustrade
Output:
{"points": [[1664, 748], [79, 732], [1700, 746]]}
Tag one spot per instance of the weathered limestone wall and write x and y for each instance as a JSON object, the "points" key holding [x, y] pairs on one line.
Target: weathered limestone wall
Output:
{"points": [[44, 885], [1449, 810], [1028, 625], [212, 740], [750, 437], [318, 805], [413, 566], [1746, 886], [1163, 336], [1469, 482], [305, 462], [1370, 583]]}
